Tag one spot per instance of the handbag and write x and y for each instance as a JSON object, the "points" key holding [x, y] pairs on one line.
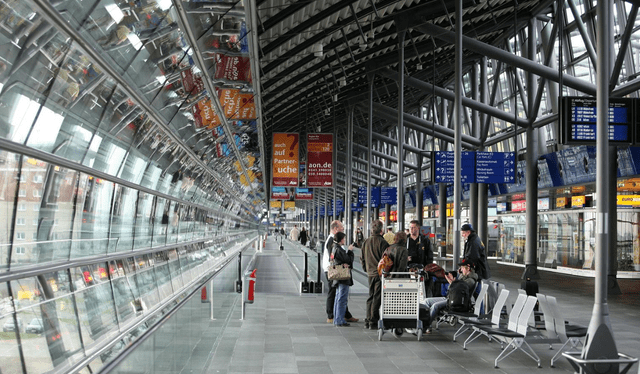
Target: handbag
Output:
{"points": [[338, 272], [385, 263]]}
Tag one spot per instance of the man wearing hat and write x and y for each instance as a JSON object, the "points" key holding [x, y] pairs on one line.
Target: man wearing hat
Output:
{"points": [[474, 252], [465, 274]]}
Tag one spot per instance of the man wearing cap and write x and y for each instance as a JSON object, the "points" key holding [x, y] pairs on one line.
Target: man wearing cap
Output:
{"points": [[389, 236], [465, 274], [474, 252]]}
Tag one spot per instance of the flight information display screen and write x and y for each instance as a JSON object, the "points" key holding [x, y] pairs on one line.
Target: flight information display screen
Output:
{"points": [[579, 118]]}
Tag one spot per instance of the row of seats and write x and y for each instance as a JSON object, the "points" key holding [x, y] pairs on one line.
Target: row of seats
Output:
{"points": [[518, 328]]}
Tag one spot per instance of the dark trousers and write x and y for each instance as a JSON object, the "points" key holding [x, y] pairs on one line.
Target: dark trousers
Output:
{"points": [[374, 299], [331, 299]]}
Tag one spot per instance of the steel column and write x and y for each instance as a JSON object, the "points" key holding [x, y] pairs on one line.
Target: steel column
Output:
{"points": [[457, 125]]}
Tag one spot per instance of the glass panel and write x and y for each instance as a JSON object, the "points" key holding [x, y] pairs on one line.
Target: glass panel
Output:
{"points": [[8, 188], [56, 215], [122, 219], [162, 274], [145, 282], [95, 201], [162, 218], [94, 301], [51, 335], [145, 217], [122, 291], [174, 269], [29, 201]]}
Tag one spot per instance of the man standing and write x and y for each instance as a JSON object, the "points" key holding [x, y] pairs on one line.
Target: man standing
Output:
{"points": [[336, 227], [372, 250], [389, 236], [474, 252], [419, 246], [294, 233]]}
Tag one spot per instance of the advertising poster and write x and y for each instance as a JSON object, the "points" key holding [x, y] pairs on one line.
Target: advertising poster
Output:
{"points": [[285, 159], [279, 193], [319, 160], [304, 194], [290, 206]]}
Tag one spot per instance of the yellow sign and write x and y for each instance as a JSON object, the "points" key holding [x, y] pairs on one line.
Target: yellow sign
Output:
{"points": [[577, 201], [629, 200], [289, 205], [276, 204], [561, 202]]}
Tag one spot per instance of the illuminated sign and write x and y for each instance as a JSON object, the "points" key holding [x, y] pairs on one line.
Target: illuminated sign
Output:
{"points": [[577, 201], [561, 202], [519, 206], [629, 200]]}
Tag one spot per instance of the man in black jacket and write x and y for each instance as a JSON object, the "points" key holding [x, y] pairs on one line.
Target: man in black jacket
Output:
{"points": [[474, 251], [419, 246]]}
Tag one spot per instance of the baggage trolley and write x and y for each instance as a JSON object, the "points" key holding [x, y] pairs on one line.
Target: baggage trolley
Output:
{"points": [[399, 306]]}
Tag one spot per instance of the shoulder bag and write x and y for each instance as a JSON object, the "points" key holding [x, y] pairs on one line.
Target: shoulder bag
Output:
{"points": [[337, 272]]}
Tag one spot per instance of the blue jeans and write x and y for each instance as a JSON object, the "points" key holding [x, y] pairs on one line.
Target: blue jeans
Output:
{"points": [[435, 304], [340, 304]]}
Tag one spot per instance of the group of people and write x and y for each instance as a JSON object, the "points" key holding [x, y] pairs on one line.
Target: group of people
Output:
{"points": [[406, 250], [301, 235]]}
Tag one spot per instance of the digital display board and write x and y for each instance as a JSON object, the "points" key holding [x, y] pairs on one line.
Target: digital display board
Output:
{"points": [[579, 116]]}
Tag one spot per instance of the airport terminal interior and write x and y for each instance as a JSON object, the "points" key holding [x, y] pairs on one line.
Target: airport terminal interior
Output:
{"points": [[154, 153]]}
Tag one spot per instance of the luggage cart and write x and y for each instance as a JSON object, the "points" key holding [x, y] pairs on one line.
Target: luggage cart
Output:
{"points": [[399, 306]]}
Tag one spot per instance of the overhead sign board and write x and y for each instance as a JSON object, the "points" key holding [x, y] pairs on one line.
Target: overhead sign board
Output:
{"points": [[444, 167], [279, 193], [579, 116], [304, 194], [285, 159], [320, 160], [388, 195], [495, 167]]}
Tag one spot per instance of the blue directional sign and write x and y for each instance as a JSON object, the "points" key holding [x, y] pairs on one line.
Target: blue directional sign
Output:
{"points": [[321, 210], [495, 167], [444, 167], [388, 195], [355, 207], [375, 197], [362, 195]]}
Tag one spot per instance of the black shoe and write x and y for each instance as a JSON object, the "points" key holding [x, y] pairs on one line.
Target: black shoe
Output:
{"points": [[366, 325], [344, 325]]}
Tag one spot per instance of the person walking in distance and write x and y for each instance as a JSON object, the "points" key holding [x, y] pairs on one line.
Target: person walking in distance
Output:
{"points": [[372, 250], [335, 227]]}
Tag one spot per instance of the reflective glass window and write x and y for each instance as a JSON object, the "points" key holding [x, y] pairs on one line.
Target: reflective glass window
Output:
{"points": [[94, 208], [145, 220], [122, 219]]}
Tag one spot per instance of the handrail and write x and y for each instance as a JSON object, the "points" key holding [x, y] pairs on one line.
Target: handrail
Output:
{"points": [[122, 355]]}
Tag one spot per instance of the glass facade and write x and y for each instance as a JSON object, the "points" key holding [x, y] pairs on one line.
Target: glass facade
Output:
{"points": [[119, 185]]}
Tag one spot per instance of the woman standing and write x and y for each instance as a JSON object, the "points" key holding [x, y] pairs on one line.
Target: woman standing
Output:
{"points": [[341, 257]]}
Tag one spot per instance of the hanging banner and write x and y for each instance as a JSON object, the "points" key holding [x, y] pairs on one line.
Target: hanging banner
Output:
{"points": [[285, 159], [304, 194], [319, 160], [290, 206], [279, 193]]}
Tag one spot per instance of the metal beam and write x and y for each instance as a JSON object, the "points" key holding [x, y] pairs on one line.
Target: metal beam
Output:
{"points": [[447, 94], [502, 55]]}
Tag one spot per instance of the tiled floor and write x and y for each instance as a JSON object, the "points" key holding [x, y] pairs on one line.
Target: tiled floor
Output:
{"points": [[286, 332]]}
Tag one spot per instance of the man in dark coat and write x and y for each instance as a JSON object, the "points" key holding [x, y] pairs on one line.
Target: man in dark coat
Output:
{"points": [[474, 251], [419, 246], [372, 250]]}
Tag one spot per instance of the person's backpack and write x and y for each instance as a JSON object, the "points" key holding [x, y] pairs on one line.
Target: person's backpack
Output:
{"points": [[459, 297]]}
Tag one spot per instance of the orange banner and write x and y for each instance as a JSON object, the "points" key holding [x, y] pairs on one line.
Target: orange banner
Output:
{"points": [[285, 159]]}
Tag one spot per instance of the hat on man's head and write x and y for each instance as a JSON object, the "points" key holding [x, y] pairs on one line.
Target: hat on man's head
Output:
{"points": [[467, 227], [338, 237], [465, 262]]}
